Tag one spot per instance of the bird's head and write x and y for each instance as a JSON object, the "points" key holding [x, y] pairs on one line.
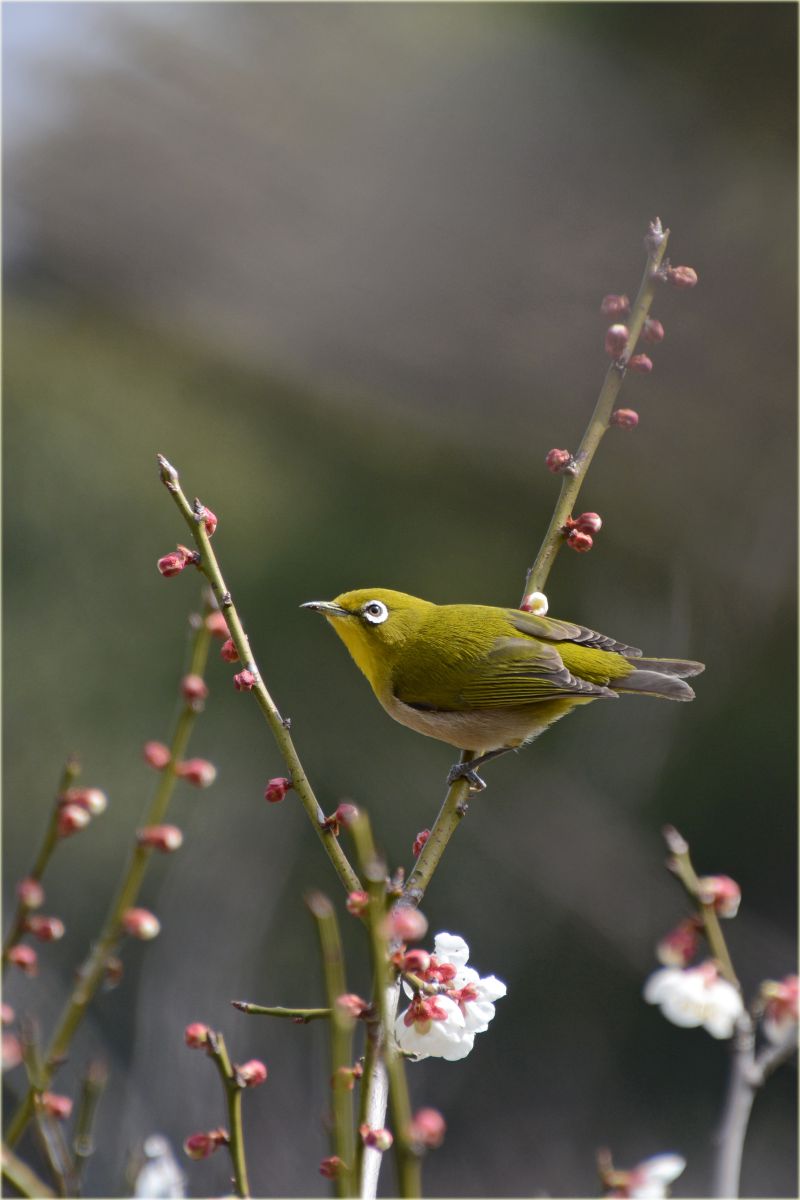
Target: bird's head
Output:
{"points": [[375, 624]]}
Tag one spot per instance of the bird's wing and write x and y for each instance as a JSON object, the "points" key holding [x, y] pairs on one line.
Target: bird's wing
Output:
{"points": [[515, 672], [553, 630]]}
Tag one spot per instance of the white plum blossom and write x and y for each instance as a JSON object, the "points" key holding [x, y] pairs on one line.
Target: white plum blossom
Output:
{"points": [[444, 1025], [651, 1179], [697, 996]]}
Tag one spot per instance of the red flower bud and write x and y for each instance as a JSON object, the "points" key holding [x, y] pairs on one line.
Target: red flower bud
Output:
{"points": [[721, 891], [252, 1073], [407, 924], [376, 1139], [626, 418], [30, 893], [352, 1004], [209, 519], [579, 541], [589, 522], [165, 838], [216, 625], [197, 771], [678, 947], [92, 799], [419, 842], [615, 306], [427, 1128], [557, 460], [653, 331], [357, 903], [25, 958], [616, 340], [417, 962], [55, 1106], [172, 564], [196, 1035], [45, 929], [681, 277], [331, 1168], [203, 1145], [641, 364], [71, 819], [156, 754], [346, 813], [245, 681], [194, 689], [141, 924], [277, 789], [228, 651]]}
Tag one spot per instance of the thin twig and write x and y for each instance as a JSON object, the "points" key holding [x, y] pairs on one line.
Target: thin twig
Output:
{"points": [[280, 728], [680, 864], [301, 1015], [21, 1177], [218, 1052]]}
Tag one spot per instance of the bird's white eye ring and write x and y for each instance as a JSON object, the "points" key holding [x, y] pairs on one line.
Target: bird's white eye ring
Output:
{"points": [[375, 611]]}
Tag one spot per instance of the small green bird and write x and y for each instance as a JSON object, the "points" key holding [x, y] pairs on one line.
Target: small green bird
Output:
{"points": [[487, 679]]}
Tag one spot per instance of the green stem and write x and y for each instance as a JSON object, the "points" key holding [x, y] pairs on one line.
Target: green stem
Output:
{"points": [[91, 973], [279, 727], [301, 1015], [409, 1173], [233, 1095], [92, 1088], [50, 840], [21, 1177], [371, 1060], [449, 818], [571, 482], [680, 864], [341, 1040]]}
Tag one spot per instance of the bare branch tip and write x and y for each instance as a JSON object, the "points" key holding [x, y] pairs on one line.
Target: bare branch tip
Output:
{"points": [[166, 470], [676, 843]]}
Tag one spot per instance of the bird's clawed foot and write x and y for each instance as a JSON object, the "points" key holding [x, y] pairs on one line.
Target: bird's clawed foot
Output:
{"points": [[468, 772]]}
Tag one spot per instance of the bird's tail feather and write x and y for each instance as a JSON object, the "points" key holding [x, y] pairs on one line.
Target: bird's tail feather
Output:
{"points": [[660, 677]]}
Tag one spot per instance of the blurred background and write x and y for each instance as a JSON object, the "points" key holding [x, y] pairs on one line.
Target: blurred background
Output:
{"points": [[342, 264]]}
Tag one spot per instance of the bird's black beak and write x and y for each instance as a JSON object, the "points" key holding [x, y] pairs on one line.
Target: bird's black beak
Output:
{"points": [[326, 608]]}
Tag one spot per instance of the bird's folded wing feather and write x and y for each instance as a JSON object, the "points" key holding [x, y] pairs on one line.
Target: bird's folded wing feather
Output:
{"points": [[553, 630], [515, 671]]}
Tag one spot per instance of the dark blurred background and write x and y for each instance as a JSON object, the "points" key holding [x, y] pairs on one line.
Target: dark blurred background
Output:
{"points": [[342, 264]]}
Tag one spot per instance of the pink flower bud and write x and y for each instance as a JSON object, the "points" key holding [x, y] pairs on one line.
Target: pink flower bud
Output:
{"points": [[615, 306], [427, 1128], [8, 1014], [30, 893], [352, 1004], [780, 1008], [209, 520], [197, 771], [71, 819], [172, 564], [251, 1073], [165, 838], [194, 689], [331, 1168], [579, 541], [346, 813], [616, 340], [12, 1051], [92, 799], [45, 929], [277, 789], [216, 625], [203, 1145], [641, 364], [557, 460], [25, 958], [626, 418], [417, 962], [376, 1139], [228, 651], [245, 681], [419, 842], [681, 277], [721, 891], [196, 1035], [56, 1106], [141, 924], [156, 754], [653, 331], [357, 903], [407, 924], [678, 947], [589, 522]]}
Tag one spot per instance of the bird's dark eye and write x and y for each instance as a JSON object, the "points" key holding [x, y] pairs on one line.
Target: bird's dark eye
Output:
{"points": [[375, 611]]}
